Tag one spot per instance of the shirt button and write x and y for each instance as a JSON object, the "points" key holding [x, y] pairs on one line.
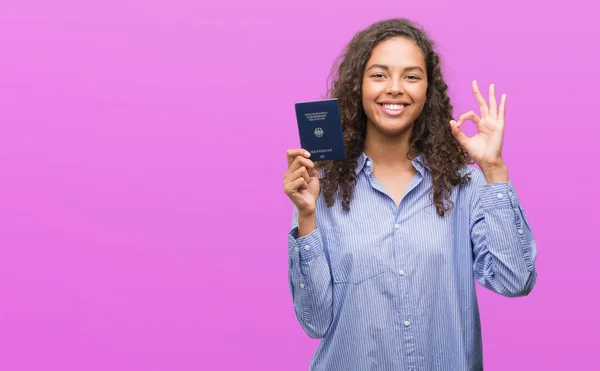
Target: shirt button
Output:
{"points": [[369, 163], [500, 195], [510, 193], [402, 273], [296, 249], [302, 285], [406, 323], [520, 231], [306, 247], [397, 226]]}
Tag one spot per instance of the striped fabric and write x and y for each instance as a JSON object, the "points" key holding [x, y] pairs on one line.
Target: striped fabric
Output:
{"points": [[393, 288]]}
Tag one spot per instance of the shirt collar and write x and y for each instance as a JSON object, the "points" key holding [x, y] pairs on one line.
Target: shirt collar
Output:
{"points": [[364, 160]]}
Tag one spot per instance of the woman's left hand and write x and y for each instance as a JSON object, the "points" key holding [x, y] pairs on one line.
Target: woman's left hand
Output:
{"points": [[485, 147]]}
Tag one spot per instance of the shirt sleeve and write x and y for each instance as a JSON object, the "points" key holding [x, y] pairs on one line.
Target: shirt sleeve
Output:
{"points": [[309, 280], [503, 244]]}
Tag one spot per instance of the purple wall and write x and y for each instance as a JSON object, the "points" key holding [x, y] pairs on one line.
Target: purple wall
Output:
{"points": [[142, 149]]}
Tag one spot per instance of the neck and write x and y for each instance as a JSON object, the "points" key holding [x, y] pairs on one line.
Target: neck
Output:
{"points": [[388, 152]]}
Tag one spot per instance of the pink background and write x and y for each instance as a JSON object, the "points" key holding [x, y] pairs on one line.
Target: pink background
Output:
{"points": [[142, 219]]}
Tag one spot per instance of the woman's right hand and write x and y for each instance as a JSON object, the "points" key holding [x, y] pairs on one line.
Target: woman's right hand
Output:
{"points": [[301, 181]]}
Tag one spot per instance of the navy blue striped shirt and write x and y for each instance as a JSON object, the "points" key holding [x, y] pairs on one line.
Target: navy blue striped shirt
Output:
{"points": [[393, 288]]}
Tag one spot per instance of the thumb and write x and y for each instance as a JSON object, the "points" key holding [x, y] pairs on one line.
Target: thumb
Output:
{"points": [[461, 137]]}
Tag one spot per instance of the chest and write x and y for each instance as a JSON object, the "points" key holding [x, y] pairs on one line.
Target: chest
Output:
{"points": [[395, 185], [377, 235]]}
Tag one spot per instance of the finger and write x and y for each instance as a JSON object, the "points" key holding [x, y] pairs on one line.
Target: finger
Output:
{"points": [[502, 108], [471, 115], [300, 161], [295, 186], [300, 167], [297, 163], [483, 108], [295, 152], [493, 106], [302, 172], [461, 137]]}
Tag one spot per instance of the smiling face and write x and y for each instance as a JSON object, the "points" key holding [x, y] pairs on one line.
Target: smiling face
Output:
{"points": [[394, 86]]}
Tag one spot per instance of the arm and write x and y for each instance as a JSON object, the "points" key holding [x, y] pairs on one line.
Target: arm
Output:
{"points": [[309, 278], [503, 245]]}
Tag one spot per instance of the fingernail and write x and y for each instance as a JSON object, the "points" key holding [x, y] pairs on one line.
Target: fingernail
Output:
{"points": [[307, 153]]}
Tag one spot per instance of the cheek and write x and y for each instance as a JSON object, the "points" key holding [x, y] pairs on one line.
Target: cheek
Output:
{"points": [[423, 91], [419, 94], [370, 91], [366, 94], [368, 97]]}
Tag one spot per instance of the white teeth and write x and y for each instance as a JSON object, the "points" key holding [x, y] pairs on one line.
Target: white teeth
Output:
{"points": [[394, 107]]}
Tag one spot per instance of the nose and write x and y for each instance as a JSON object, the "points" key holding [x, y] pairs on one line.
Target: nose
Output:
{"points": [[395, 87]]}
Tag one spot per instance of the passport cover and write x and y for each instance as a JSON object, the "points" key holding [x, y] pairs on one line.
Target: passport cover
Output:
{"points": [[320, 129]]}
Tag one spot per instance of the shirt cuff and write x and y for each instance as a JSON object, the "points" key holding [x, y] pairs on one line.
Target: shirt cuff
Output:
{"points": [[307, 247], [498, 195]]}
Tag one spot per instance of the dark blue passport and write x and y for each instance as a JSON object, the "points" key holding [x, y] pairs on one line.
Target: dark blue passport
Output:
{"points": [[320, 129]]}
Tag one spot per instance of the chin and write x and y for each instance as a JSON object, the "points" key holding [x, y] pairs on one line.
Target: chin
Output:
{"points": [[392, 127]]}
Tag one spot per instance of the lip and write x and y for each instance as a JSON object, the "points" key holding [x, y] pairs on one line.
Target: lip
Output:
{"points": [[393, 102], [393, 113]]}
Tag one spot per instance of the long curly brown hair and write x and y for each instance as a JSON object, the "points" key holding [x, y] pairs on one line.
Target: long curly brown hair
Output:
{"points": [[431, 133]]}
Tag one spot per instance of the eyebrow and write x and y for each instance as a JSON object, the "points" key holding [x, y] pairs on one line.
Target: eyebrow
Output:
{"points": [[384, 67]]}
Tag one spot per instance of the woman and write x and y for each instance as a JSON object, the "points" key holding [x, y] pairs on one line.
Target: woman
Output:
{"points": [[385, 245]]}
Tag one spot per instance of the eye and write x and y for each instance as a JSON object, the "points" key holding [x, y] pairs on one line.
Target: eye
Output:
{"points": [[413, 77], [378, 75]]}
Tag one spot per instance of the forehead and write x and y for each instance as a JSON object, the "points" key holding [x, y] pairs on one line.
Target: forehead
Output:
{"points": [[397, 51]]}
